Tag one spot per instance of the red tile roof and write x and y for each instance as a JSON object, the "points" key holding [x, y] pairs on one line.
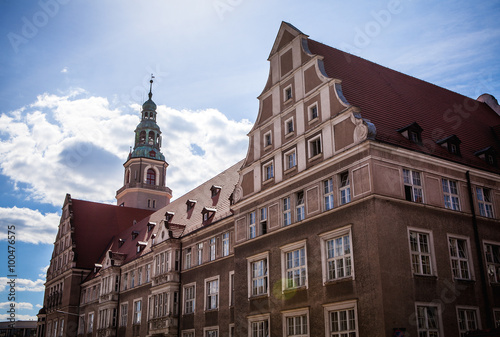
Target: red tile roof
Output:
{"points": [[392, 100]]}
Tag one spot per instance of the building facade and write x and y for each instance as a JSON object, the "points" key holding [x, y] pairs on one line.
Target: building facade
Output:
{"points": [[368, 204]]}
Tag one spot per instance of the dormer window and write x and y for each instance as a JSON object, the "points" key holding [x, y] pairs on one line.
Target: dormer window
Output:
{"points": [[190, 204], [97, 267], [151, 225], [412, 132], [120, 242], [488, 155], [141, 245], [215, 190], [452, 143], [208, 213], [134, 234], [168, 216]]}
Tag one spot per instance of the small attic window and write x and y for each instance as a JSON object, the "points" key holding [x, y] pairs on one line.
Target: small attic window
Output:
{"points": [[412, 132], [169, 216], [120, 242], [190, 204], [134, 234], [208, 213], [153, 238], [215, 190], [488, 155], [151, 225], [97, 267], [141, 245], [452, 143]]}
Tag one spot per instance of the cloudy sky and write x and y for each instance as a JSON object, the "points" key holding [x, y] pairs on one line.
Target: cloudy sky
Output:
{"points": [[74, 74]]}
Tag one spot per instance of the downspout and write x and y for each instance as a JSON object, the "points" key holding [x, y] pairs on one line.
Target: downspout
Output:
{"points": [[179, 307], [118, 313], [480, 253]]}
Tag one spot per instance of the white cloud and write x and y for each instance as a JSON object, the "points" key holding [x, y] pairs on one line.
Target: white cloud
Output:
{"points": [[5, 317], [30, 225], [23, 284], [18, 306], [77, 144], [64, 70], [44, 270]]}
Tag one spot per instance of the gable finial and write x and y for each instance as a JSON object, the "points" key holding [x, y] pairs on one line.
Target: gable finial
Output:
{"points": [[151, 87]]}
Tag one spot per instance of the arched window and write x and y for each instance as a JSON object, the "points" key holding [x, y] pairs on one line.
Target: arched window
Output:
{"points": [[142, 137], [151, 177], [127, 177], [151, 138]]}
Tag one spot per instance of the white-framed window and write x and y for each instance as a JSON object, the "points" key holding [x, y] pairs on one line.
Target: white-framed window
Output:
{"points": [[231, 288], [123, 314], [294, 265], [345, 188], [287, 93], [189, 298], [290, 159], [328, 193], [212, 331], [225, 244], [139, 276], [314, 146], [459, 256], [81, 324], [289, 126], [268, 139], [296, 323], [252, 230], [212, 250], [263, 220], [492, 252], [313, 111], [421, 250], [231, 330], [287, 212], [336, 254], [268, 170], [90, 326], [188, 333], [148, 272], [212, 293], [450, 194], [200, 253], [484, 202], [428, 320], [413, 185], [61, 329], [299, 206], [132, 279], [468, 320], [258, 277], [258, 326], [341, 319], [188, 258], [137, 311]]}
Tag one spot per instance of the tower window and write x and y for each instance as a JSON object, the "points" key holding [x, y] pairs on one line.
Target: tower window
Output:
{"points": [[142, 137], [151, 177], [151, 138]]}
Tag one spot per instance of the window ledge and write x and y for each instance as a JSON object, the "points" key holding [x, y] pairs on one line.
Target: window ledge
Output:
{"points": [[464, 280], [312, 121], [293, 290], [211, 310], [290, 134], [311, 159], [268, 181], [268, 147], [257, 297], [340, 280], [291, 169], [425, 276]]}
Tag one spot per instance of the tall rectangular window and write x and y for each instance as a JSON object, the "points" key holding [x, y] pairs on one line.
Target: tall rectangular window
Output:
{"points": [[345, 188], [420, 247], [290, 159], [81, 324], [313, 112], [427, 321], [413, 185], [342, 319], [212, 249], [259, 328], [328, 193], [231, 288], [287, 213], [295, 266], [492, 252], [91, 323], [212, 294], [139, 276], [268, 140], [258, 275], [263, 220], [268, 169], [484, 202], [123, 314], [299, 207], [296, 323], [314, 146], [211, 333], [459, 255], [450, 194], [200, 253], [189, 299], [132, 279], [225, 244], [148, 273], [188, 258], [252, 232], [467, 320], [137, 311], [338, 254]]}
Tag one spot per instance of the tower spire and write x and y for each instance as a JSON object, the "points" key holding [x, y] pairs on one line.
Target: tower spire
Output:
{"points": [[151, 87]]}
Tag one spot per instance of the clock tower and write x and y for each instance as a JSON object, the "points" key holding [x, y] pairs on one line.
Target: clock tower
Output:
{"points": [[144, 184]]}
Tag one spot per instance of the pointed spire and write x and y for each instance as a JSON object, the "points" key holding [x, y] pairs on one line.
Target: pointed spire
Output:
{"points": [[151, 87]]}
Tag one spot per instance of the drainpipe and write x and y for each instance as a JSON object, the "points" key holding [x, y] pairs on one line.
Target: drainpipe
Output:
{"points": [[118, 313], [480, 253], [179, 307]]}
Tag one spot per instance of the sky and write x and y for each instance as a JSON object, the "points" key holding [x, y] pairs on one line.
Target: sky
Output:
{"points": [[74, 73]]}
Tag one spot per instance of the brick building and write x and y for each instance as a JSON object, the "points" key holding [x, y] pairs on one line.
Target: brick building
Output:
{"points": [[368, 204]]}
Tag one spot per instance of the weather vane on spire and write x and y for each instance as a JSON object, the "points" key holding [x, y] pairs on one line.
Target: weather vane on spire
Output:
{"points": [[151, 87]]}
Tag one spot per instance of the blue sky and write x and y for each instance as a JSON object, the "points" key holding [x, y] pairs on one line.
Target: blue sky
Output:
{"points": [[74, 73]]}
